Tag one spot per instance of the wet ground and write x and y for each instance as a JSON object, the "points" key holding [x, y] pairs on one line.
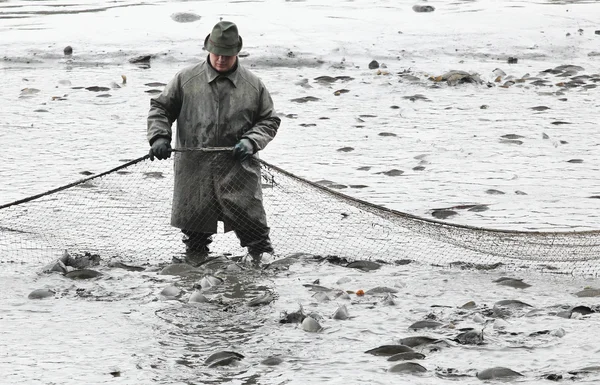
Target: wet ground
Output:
{"points": [[527, 149]]}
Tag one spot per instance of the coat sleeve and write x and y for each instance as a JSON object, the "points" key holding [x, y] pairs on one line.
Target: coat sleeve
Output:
{"points": [[265, 128], [164, 110]]}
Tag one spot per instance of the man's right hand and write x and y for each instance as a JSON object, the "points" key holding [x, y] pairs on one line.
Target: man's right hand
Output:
{"points": [[161, 149]]}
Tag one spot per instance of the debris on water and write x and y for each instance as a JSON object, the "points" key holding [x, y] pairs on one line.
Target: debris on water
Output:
{"points": [[374, 64], [512, 60], [68, 50], [41, 294], [494, 192], [345, 149]]}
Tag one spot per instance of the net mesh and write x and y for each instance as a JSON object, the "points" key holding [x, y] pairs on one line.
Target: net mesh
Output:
{"points": [[126, 213]]}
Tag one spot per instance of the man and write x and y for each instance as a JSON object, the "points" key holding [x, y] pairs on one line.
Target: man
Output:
{"points": [[217, 103]]}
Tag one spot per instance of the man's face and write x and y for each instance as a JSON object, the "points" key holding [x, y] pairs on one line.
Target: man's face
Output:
{"points": [[222, 63]]}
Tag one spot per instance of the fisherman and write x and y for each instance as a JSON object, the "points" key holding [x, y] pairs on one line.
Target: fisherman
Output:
{"points": [[217, 103]]}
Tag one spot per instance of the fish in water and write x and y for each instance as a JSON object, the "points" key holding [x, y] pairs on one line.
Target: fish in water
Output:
{"points": [[210, 281], [407, 367], [293, 318], [417, 341], [126, 267], [41, 294], [364, 265], [222, 358], [272, 361], [507, 307], [498, 372], [407, 356], [197, 297], [517, 283], [389, 350], [177, 269], [263, 299], [341, 313], [309, 324], [83, 274], [425, 325], [171, 292], [381, 290], [588, 293], [470, 337]]}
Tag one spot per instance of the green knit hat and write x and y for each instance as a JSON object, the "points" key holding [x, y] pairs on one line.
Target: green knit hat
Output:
{"points": [[224, 39]]}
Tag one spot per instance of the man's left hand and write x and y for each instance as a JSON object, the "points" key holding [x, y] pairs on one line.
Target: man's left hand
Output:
{"points": [[243, 150]]}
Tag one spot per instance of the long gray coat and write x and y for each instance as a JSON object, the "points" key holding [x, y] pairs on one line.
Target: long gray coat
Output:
{"points": [[214, 110]]}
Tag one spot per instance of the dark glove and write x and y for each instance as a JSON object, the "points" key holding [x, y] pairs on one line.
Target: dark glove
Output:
{"points": [[161, 149], [243, 150]]}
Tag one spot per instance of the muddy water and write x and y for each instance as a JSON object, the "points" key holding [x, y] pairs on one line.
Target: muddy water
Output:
{"points": [[54, 128]]}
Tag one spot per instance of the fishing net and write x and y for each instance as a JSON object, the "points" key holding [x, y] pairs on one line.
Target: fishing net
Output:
{"points": [[126, 213]]}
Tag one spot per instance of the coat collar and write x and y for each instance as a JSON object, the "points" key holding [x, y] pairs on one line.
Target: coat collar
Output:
{"points": [[212, 74]]}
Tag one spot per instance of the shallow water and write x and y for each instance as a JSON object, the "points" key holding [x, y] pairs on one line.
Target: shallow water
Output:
{"points": [[119, 323]]}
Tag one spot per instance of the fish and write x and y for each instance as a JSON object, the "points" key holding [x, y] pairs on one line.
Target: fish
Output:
{"points": [[406, 356], [41, 294], [425, 325], [309, 324], [223, 358], [389, 350], [83, 274], [417, 341], [407, 367], [497, 372], [341, 313]]}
